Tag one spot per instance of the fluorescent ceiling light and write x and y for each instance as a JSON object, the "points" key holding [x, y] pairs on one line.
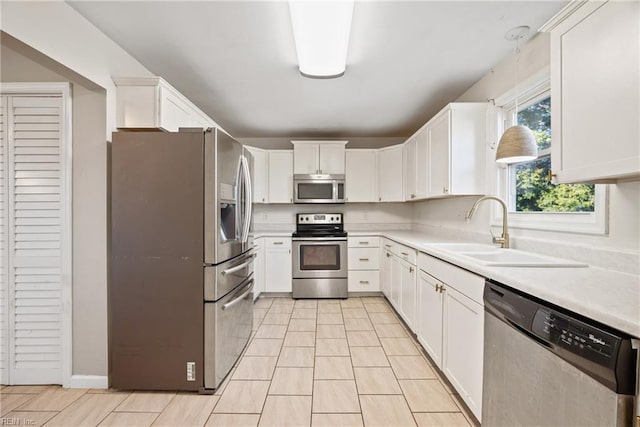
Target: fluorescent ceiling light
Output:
{"points": [[321, 32]]}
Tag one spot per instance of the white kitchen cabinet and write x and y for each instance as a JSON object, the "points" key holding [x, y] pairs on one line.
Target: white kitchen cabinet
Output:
{"points": [[361, 176], [409, 157], [463, 347], [456, 150], [152, 103], [428, 327], [458, 344], [258, 268], [364, 264], [595, 81], [390, 174], [408, 292], [280, 176], [416, 159], [396, 281], [385, 273], [278, 264], [260, 174], [319, 157]]}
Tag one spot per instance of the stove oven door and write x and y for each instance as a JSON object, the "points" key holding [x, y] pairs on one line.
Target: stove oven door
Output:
{"points": [[321, 258]]}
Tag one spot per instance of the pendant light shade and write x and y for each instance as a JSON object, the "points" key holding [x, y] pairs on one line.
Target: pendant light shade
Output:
{"points": [[517, 145]]}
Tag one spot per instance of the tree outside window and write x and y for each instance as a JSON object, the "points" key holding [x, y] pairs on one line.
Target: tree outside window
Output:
{"points": [[531, 190]]}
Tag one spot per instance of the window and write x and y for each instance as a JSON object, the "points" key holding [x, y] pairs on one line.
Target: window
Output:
{"points": [[535, 202], [529, 184]]}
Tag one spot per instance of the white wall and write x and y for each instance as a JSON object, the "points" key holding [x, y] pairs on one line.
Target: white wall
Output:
{"points": [[58, 31], [357, 216], [624, 198]]}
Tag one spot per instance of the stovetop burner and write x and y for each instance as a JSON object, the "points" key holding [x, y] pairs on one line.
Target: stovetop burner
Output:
{"points": [[319, 225]]}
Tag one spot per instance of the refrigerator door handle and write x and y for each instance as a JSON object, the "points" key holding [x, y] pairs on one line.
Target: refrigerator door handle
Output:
{"points": [[238, 267], [241, 297], [248, 198], [237, 196]]}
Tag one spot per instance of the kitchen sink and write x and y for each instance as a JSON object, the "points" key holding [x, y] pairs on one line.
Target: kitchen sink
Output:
{"points": [[494, 256], [516, 258], [464, 247]]}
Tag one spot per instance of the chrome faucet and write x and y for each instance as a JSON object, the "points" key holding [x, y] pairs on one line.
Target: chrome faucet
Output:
{"points": [[504, 239]]}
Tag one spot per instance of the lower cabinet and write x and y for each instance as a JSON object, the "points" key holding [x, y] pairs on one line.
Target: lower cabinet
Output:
{"points": [[450, 325], [364, 264], [258, 268], [429, 319], [408, 292], [277, 264], [385, 273], [464, 347]]}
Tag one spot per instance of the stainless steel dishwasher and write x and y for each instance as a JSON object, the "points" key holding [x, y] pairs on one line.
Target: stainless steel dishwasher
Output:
{"points": [[545, 366]]}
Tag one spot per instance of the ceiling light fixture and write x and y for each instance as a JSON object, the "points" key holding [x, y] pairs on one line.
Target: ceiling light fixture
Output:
{"points": [[517, 143], [321, 32]]}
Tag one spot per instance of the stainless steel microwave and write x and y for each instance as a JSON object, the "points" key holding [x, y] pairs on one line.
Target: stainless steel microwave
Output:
{"points": [[318, 188]]}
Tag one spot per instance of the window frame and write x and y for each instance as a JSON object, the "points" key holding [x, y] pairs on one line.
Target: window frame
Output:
{"points": [[533, 90]]}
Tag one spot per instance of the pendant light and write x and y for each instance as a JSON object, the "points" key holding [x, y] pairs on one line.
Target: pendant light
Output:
{"points": [[517, 143]]}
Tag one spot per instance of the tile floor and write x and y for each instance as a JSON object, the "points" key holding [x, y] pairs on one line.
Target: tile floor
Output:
{"points": [[309, 363]]}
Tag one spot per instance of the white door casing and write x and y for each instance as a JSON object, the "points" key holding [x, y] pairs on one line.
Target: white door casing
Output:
{"points": [[36, 248]]}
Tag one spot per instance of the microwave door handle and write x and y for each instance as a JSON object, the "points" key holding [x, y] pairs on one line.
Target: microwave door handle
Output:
{"points": [[335, 190]]}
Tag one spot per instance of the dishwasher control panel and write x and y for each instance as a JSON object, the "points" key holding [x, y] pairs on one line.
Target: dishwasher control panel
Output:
{"points": [[575, 336]]}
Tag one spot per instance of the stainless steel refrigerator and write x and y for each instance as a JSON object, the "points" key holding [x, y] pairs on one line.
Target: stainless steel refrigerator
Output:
{"points": [[181, 284]]}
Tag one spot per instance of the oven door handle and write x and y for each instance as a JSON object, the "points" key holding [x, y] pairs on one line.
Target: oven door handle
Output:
{"points": [[238, 267], [240, 298], [318, 239]]}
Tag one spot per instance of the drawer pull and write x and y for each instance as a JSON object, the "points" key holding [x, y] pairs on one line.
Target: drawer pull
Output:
{"points": [[388, 255], [363, 259], [404, 253], [278, 243], [387, 246], [364, 282], [363, 243]]}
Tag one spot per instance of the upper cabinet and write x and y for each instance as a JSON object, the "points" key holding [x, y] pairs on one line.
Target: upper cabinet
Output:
{"points": [[260, 174], [390, 175], [594, 87], [416, 164], [319, 157], [280, 176], [361, 176], [455, 163], [152, 103]]}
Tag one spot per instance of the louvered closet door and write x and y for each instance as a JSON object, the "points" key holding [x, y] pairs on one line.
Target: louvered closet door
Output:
{"points": [[4, 279], [34, 164]]}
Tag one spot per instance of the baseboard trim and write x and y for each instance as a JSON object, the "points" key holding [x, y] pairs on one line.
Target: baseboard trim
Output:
{"points": [[89, 381]]}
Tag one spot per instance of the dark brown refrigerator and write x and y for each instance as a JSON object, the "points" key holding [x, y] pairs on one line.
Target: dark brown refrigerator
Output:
{"points": [[181, 284]]}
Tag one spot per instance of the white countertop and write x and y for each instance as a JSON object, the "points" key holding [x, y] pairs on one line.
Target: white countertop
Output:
{"points": [[607, 296]]}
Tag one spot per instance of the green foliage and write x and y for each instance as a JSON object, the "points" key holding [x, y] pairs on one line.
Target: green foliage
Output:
{"points": [[534, 192], [537, 117]]}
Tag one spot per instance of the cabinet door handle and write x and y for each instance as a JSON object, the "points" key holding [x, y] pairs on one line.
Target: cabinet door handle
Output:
{"points": [[364, 259], [413, 196], [387, 246], [263, 200], [438, 287], [388, 255], [379, 199], [364, 282], [410, 269]]}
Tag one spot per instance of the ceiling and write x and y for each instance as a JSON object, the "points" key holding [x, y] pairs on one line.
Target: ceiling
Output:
{"points": [[236, 60]]}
